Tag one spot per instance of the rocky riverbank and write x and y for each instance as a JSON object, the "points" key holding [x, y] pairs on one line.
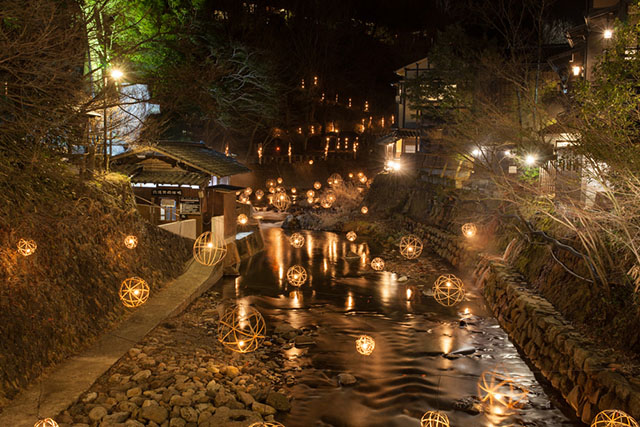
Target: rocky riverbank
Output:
{"points": [[181, 376]]}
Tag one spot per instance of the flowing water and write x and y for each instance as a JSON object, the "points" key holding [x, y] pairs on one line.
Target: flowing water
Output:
{"points": [[426, 356]]}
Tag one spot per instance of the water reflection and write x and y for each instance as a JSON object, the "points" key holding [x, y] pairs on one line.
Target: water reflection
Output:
{"points": [[423, 359]]}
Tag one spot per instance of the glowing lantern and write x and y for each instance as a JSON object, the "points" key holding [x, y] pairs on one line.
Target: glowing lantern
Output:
{"points": [[271, 183], [334, 179], [47, 422], [242, 219], [365, 345], [209, 249], [311, 194], [360, 174], [131, 241], [325, 203], [310, 162], [317, 185], [281, 202], [310, 200], [350, 175], [330, 196], [241, 329], [410, 246], [613, 418], [469, 229], [434, 419], [279, 180], [296, 240], [363, 179], [293, 190], [280, 189], [243, 198], [352, 236], [248, 191], [364, 210], [259, 194], [27, 247], [267, 424], [272, 190], [500, 391], [297, 275], [448, 290], [134, 292], [377, 264]]}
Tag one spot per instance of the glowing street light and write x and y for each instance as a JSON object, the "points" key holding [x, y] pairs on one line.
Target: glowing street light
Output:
{"points": [[576, 69], [530, 160], [608, 33], [116, 73]]}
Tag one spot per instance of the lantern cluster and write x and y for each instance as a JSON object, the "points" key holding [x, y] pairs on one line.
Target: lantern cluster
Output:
{"points": [[296, 275], [209, 249], [297, 240], [134, 292], [377, 264], [365, 345], [613, 418], [241, 329], [434, 419], [448, 290], [410, 246]]}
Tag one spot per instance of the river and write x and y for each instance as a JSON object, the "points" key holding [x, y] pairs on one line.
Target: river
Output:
{"points": [[426, 356]]}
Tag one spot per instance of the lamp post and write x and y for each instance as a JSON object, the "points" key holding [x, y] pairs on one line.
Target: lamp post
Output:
{"points": [[116, 75]]}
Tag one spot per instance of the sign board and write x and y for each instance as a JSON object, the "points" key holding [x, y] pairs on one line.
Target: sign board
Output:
{"points": [[166, 192], [189, 206]]}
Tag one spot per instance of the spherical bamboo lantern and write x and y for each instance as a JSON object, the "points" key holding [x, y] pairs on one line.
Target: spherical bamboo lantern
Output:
{"points": [[448, 290], [296, 275], [365, 345], [317, 185], [364, 210], [363, 179], [248, 191], [259, 194], [330, 196], [131, 241], [243, 219], [27, 247], [377, 264], [271, 183], [297, 240], [352, 236], [279, 180], [350, 175], [267, 424], [280, 189], [410, 246], [293, 190], [469, 230], [241, 329], [360, 174], [310, 200], [47, 422], [325, 203], [311, 194], [500, 391], [209, 249], [614, 418], [243, 198], [335, 179], [281, 201], [134, 292], [272, 190], [434, 419]]}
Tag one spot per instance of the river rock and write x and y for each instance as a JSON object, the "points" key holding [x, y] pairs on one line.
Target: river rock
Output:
{"points": [[90, 397], [97, 413], [141, 376], [118, 417], [346, 379], [278, 401], [262, 409], [177, 422], [156, 413], [189, 414], [212, 388]]}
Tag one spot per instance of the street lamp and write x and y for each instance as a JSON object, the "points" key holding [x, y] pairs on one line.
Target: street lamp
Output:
{"points": [[530, 160], [576, 70], [116, 74], [608, 33]]}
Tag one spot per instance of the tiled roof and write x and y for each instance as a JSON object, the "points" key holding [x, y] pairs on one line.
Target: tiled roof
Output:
{"points": [[194, 154]]}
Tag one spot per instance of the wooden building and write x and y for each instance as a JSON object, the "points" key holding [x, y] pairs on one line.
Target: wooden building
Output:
{"points": [[177, 181]]}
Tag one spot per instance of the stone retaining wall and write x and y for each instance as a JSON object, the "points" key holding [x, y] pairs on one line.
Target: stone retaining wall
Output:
{"points": [[452, 247], [589, 378]]}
